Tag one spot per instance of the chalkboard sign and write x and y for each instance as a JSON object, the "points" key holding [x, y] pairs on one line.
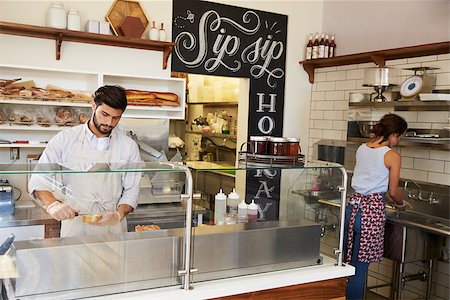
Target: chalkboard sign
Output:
{"points": [[224, 40]]}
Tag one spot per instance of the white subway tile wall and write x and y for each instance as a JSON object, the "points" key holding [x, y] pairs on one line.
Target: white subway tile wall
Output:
{"points": [[328, 120]]}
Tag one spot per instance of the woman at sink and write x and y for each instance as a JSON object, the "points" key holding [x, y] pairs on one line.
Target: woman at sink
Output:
{"points": [[376, 172]]}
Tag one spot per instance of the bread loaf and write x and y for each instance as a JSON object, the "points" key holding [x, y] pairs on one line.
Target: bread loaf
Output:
{"points": [[146, 227], [91, 218]]}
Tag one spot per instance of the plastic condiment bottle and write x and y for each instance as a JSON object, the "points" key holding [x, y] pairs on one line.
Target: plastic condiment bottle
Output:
{"points": [[252, 212], [220, 207], [242, 212], [233, 202]]}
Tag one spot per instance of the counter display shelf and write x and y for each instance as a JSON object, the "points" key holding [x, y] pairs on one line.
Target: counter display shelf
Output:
{"points": [[79, 80], [191, 254]]}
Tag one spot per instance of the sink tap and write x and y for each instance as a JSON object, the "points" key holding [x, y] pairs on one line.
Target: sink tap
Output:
{"points": [[432, 200], [410, 195]]}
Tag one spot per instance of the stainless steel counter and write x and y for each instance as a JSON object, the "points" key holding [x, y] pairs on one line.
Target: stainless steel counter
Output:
{"points": [[27, 216]]}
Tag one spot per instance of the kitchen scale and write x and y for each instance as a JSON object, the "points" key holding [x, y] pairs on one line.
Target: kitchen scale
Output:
{"points": [[420, 82]]}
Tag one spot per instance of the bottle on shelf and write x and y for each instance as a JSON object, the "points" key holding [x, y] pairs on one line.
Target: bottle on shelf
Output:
{"points": [[322, 46], [252, 212], [332, 49], [56, 16], [73, 20], [315, 47], [153, 32], [225, 127], [309, 47], [220, 208], [327, 46], [242, 212], [162, 34]]}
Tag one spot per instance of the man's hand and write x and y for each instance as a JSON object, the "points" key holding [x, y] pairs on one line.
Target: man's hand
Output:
{"points": [[60, 211], [109, 219]]}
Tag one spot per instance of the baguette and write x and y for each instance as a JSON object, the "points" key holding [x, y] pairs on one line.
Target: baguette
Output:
{"points": [[166, 96]]}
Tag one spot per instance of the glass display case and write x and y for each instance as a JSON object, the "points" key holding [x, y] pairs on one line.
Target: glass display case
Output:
{"points": [[294, 227]]}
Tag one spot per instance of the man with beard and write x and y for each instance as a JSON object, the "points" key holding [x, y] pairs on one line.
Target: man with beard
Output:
{"points": [[92, 202]]}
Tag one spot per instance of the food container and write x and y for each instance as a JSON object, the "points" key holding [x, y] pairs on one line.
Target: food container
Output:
{"points": [[293, 146], [278, 146], [259, 144]]}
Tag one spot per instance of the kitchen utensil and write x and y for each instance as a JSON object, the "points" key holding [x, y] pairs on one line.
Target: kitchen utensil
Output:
{"points": [[7, 244], [380, 79], [122, 9], [358, 97], [420, 82], [365, 127]]}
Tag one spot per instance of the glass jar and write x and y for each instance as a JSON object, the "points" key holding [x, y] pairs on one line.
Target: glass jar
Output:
{"points": [[259, 144], [278, 146], [293, 146], [56, 16], [73, 20]]}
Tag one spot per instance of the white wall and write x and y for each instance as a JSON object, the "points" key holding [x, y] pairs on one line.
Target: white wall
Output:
{"points": [[304, 17], [362, 26]]}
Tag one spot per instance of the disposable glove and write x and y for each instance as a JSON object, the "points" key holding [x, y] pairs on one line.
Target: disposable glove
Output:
{"points": [[405, 205], [109, 219], [60, 211]]}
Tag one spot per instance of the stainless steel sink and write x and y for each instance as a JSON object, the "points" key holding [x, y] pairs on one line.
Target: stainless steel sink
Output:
{"points": [[431, 224]]}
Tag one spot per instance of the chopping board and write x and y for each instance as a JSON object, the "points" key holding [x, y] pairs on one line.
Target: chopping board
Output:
{"points": [[120, 10]]}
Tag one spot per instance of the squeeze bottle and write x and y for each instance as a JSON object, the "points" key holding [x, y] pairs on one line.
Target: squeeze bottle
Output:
{"points": [[242, 212], [220, 207], [233, 202], [252, 212]]}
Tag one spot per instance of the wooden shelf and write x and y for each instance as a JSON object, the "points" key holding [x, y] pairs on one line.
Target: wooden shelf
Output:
{"points": [[377, 57], [60, 35]]}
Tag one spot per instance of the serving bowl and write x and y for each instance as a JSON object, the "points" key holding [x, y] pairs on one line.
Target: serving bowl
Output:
{"points": [[365, 127]]}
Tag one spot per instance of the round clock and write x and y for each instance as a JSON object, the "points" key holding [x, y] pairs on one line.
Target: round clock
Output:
{"points": [[411, 86]]}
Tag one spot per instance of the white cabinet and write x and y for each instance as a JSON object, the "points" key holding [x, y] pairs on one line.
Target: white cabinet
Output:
{"points": [[76, 80]]}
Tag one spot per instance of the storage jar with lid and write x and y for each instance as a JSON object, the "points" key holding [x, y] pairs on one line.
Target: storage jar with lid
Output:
{"points": [[293, 146], [56, 16], [73, 20], [278, 146], [259, 144]]}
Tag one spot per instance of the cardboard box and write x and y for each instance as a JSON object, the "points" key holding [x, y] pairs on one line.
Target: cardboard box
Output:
{"points": [[93, 26], [104, 28]]}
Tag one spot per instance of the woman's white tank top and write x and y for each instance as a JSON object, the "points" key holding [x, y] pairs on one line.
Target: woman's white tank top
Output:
{"points": [[371, 174]]}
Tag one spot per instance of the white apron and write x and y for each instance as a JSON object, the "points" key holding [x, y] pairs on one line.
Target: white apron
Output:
{"points": [[92, 193]]}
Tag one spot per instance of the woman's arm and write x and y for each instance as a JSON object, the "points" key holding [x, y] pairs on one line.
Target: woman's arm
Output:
{"points": [[392, 161]]}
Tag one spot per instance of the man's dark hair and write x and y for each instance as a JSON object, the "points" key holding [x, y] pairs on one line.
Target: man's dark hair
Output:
{"points": [[111, 95]]}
